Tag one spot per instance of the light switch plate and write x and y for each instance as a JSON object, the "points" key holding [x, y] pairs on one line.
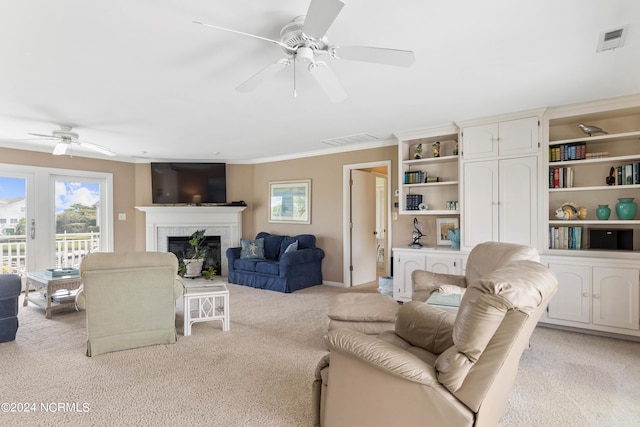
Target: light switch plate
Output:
{"points": [[122, 216]]}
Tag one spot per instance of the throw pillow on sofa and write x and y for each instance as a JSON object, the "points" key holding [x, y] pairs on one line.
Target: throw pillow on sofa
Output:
{"points": [[252, 249], [292, 247]]}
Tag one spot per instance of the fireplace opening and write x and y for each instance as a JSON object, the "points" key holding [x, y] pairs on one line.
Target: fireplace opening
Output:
{"points": [[179, 245]]}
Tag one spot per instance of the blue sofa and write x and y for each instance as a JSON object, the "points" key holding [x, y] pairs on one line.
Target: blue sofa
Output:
{"points": [[10, 287], [278, 271]]}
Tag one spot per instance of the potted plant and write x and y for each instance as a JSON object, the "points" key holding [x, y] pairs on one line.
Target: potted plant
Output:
{"points": [[195, 256]]}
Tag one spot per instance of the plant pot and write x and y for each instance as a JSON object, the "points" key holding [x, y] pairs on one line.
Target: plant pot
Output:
{"points": [[626, 208], [603, 212], [194, 267]]}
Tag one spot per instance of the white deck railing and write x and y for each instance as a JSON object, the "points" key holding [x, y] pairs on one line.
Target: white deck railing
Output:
{"points": [[70, 248]]}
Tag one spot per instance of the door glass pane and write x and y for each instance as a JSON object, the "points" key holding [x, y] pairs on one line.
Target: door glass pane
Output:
{"points": [[13, 221], [77, 211]]}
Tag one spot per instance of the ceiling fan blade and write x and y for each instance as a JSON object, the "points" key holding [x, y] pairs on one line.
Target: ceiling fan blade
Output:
{"points": [[60, 148], [42, 136], [379, 55], [328, 81], [96, 147], [320, 16], [288, 48], [262, 75]]}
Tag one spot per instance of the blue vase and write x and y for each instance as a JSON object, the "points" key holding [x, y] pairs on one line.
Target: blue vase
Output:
{"points": [[454, 236], [603, 212], [626, 208]]}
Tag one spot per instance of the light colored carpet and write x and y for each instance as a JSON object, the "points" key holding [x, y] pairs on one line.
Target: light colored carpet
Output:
{"points": [[260, 373]]}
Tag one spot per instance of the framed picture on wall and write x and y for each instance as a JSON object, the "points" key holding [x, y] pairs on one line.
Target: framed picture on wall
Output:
{"points": [[290, 201], [443, 225]]}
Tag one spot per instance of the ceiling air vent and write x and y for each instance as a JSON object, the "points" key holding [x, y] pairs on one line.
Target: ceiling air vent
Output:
{"points": [[612, 39], [351, 139]]}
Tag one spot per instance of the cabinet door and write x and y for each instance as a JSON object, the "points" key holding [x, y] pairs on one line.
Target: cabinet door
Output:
{"points": [[480, 195], [443, 264], [616, 297], [572, 301], [480, 142], [518, 201], [518, 137], [405, 265]]}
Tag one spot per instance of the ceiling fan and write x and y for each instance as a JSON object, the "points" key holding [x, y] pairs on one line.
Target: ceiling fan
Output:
{"points": [[66, 137], [304, 40]]}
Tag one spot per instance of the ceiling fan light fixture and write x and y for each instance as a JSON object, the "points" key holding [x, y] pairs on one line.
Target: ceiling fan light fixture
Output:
{"points": [[60, 148]]}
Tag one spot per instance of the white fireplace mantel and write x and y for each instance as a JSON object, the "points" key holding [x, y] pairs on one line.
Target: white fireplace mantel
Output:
{"points": [[165, 221]]}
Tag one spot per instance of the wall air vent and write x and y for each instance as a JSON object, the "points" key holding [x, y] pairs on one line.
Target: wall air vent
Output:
{"points": [[612, 39], [351, 139]]}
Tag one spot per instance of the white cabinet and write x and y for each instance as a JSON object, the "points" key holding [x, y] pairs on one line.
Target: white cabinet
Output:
{"points": [[500, 201], [572, 301], [405, 264], [505, 138], [443, 264], [592, 295], [406, 261], [616, 297]]}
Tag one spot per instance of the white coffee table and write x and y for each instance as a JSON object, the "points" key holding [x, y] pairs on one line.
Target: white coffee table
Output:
{"points": [[204, 302]]}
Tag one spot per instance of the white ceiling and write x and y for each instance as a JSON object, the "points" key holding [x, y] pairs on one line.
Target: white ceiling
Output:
{"points": [[140, 78]]}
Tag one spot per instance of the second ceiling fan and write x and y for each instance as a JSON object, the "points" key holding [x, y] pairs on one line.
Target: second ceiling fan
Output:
{"points": [[304, 40]]}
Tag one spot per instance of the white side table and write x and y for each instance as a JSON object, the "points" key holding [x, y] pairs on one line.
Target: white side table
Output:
{"points": [[204, 302]]}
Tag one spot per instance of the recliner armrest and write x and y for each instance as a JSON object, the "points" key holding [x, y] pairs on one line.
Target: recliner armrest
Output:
{"points": [[382, 355], [424, 283], [178, 287]]}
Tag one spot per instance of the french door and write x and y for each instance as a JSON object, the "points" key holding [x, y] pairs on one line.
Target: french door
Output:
{"points": [[64, 215]]}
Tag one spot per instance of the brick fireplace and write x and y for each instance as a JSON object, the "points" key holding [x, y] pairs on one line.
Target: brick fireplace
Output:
{"points": [[163, 222]]}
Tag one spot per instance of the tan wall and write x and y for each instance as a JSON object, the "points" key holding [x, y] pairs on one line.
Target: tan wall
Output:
{"points": [[132, 187], [125, 232]]}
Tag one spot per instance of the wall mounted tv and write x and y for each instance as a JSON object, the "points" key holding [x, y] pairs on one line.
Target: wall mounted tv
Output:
{"points": [[190, 183]]}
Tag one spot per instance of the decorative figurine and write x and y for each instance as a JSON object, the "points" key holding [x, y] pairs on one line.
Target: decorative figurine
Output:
{"points": [[417, 234], [455, 150], [436, 149], [417, 152], [611, 179], [570, 210], [590, 129]]}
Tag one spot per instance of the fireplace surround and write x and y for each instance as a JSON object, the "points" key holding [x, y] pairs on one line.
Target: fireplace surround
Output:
{"points": [[163, 222]]}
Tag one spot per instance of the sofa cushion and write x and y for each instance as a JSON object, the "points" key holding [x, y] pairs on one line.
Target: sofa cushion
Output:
{"points": [[305, 241], [268, 267], [272, 246], [252, 249], [247, 264]]}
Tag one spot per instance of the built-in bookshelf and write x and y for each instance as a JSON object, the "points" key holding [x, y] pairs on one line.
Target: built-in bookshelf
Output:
{"points": [[589, 171], [428, 167]]}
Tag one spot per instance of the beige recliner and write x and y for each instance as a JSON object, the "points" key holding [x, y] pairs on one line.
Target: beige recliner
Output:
{"points": [[130, 299], [436, 368], [482, 259]]}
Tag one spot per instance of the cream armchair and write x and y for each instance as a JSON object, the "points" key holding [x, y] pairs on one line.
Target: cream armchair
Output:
{"points": [[436, 368], [482, 259], [130, 299]]}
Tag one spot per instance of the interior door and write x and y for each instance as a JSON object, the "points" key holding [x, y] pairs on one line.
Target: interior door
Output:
{"points": [[363, 227]]}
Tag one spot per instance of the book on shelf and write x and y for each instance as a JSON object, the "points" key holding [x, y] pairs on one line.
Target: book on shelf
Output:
{"points": [[565, 152], [413, 202], [562, 237], [414, 177], [627, 174], [561, 177]]}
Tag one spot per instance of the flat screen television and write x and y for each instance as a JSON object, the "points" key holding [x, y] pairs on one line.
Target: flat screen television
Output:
{"points": [[190, 183]]}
